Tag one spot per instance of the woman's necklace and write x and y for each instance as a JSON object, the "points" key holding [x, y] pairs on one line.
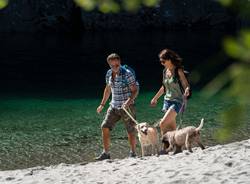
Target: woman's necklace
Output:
{"points": [[170, 72]]}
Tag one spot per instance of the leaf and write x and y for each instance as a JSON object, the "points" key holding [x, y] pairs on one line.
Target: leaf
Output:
{"points": [[232, 47], [226, 2], [109, 6], [131, 5], [87, 5], [3, 3], [150, 3], [217, 83], [239, 88], [245, 37], [232, 120]]}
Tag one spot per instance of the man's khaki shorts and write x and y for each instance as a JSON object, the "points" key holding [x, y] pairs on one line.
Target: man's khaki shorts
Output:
{"points": [[114, 115]]}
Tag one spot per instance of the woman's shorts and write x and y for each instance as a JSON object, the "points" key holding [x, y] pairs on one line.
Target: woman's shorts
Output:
{"points": [[171, 104]]}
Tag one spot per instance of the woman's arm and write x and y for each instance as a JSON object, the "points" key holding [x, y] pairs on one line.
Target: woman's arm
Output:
{"points": [[184, 81], [157, 96]]}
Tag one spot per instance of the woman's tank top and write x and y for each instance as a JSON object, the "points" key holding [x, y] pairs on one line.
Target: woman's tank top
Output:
{"points": [[172, 87]]}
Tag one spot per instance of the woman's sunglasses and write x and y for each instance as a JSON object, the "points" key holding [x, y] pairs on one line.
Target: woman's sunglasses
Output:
{"points": [[162, 61]]}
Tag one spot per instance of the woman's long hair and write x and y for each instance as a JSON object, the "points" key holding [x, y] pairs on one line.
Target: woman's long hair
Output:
{"points": [[167, 54]]}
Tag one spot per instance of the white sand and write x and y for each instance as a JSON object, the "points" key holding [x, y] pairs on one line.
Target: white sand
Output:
{"points": [[219, 164]]}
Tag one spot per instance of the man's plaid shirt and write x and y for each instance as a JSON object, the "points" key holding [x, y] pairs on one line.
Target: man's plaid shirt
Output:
{"points": [[120, 86]]}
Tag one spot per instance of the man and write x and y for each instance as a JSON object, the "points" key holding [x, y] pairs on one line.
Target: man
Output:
{"points": [[121, 83]]}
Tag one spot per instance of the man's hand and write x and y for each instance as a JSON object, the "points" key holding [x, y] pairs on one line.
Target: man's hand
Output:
{"points": [[126, 104], [153, 102], [99, 109]]}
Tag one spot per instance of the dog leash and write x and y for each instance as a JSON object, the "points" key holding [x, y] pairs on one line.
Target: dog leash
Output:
{"points": [[181, 114], [136, 122], [183, 108]]}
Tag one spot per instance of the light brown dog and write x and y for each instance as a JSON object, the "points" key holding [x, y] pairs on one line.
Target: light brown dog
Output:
{"points": [[182, 137], [148, 138]]}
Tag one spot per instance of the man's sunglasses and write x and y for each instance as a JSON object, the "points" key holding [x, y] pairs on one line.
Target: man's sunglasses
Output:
{"points": [[114, 66]]}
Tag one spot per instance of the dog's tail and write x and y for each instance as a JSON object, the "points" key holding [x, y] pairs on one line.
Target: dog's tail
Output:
{"points": [[201, 125]]}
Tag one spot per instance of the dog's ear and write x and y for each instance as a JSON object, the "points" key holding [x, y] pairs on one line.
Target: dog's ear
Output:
{"points": [[164, 139], [137, 127]]}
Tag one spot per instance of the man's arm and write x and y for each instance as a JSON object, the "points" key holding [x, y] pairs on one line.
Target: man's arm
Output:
{"points": [[130, 100], [106, 95]]}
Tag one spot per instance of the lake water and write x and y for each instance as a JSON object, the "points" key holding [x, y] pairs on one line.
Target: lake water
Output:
{"points": [[52, 84]]}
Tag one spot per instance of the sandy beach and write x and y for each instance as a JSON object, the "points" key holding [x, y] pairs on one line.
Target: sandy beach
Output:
{"points": [[219, 164]]}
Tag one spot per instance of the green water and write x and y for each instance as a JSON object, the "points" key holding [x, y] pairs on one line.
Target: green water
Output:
{"points": [[46, 131]]}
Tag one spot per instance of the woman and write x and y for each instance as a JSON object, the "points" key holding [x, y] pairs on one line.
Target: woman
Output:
{"points": [[173, 98]]}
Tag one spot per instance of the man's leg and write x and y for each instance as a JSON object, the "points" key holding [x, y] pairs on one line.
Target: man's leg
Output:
{"points": [[106, 139], [132, 141], [106, 143], [131, 130], [107, 125]]}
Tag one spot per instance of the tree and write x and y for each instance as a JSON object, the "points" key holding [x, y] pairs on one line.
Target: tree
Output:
{"points": [[114, 6], [3, 3], [235, 79]]}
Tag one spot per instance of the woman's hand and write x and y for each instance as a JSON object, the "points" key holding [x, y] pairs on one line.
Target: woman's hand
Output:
{"points": [[153, 102], [186, 93], [99, 108]]}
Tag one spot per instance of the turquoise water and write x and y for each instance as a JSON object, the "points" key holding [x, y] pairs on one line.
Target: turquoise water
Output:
{"points": [[47, 130]]}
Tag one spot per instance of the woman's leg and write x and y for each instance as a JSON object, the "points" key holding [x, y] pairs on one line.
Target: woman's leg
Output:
{"points": [[168, 122]]}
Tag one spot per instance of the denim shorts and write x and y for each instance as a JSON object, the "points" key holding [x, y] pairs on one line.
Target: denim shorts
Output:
{"points": [[171, 104]]}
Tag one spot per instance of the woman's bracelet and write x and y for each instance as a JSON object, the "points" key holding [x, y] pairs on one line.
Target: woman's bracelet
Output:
{"points": [[102, 104]]}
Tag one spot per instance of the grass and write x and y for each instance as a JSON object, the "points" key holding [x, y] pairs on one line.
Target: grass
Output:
{"points": [[45, 131]]}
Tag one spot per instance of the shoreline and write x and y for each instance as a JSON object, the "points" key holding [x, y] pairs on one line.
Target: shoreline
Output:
{"points": [[228, 163]]}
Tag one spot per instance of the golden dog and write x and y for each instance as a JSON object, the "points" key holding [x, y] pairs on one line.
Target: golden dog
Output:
{"points": [[182, 137], [148, 138]]}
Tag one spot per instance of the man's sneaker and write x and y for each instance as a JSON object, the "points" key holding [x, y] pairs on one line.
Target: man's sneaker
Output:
{"points": [[163, 152], [132, 154], [103, 156]]}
